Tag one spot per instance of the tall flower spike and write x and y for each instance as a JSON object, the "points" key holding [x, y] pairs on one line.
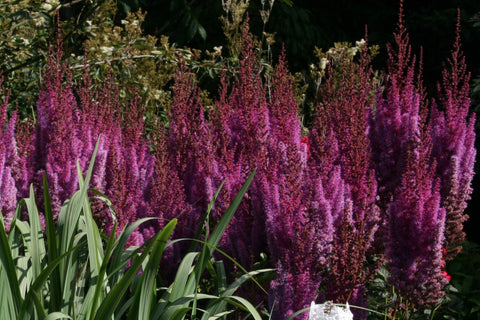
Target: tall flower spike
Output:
{"points": [[416, 230], [8, 166], [14, 177], [299, 223], [346, 99], [396, 117], [130, 169], [243, 115], [293, 238], [191, 147], [58, 144], [165, 198], [453, 134]]}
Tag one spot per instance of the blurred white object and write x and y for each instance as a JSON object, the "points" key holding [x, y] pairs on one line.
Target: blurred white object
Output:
{"points": [[329, 311]]}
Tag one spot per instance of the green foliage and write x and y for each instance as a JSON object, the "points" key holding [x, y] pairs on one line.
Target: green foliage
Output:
{"points": [[141, 65], [463, 293], [385, 303], [73, 271], [26, 29], [461, 301]]}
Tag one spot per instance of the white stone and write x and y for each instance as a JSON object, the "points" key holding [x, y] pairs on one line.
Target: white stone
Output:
{"points": [[329, 311]]}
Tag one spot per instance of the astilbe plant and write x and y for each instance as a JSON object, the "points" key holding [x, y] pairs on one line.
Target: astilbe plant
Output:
{"points": [[8, 163], [259, 127], [245, 116], [408, 190], [66, 131], [319, 206], [416, 229], [297, 213], [190, 157], [341, 157], [57, 145], [223, 145], [190, 144], [166, 199], [253, 127], [453, 135], [396, 117], [417, 161], [126, 169]]}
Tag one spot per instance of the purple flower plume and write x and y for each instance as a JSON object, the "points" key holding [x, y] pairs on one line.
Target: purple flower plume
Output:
{"points": [[341, 159], [453, 136], [396, 117], [416, 230], [424, 170], [190, 146], [8, 166], [299, 223], [13, 171], [57, 143]]}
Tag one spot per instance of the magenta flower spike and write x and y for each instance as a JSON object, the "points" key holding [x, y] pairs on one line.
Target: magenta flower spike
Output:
{"points": [[57, 141], [453, 135], [396, 117], [416, 230], [8, 168], [340, 158]]}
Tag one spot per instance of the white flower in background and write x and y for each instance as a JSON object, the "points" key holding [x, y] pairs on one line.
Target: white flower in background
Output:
{"points": [[157, 94], [106, 50], [40, 20], [360, 44], [352, 51], [218, 50], [329, 311], [323, 63], [49, 5], [331, 51]]}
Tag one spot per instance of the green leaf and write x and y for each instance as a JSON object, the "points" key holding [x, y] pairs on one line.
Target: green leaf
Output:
{"points": [[145, 294], [181, 277], [217, 306], [35, 244], [57, 315], [112, 300], [246, 305], [202, 32], [37, 300], [216, 235], [117, 259], [52, 252], [40, 281], [8, 266], [94, 241]]}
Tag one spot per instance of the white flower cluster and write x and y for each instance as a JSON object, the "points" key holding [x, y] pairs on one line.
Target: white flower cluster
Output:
{"points": [[49, 5], [351, 51], [329, 311]]}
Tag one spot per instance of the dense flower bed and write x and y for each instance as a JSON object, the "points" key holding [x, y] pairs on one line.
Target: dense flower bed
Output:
{"points": [[383, 175]]}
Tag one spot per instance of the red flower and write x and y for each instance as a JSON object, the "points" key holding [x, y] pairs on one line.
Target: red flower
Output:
{"points": [[306, 141], [445, 273]]}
